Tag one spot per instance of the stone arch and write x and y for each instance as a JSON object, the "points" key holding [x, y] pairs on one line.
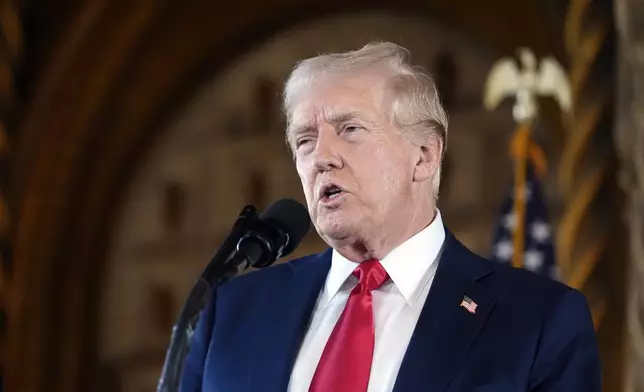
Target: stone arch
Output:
{"points": [[102, 94]]}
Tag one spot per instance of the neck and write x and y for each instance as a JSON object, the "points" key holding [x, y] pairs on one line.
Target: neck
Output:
{"points": [[379, 245]]}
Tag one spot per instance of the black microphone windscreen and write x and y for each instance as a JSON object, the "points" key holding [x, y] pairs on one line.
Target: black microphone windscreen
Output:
{"points": [[292, 217]]}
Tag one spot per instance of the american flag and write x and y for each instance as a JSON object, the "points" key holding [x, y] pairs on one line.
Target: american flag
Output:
{"points": [[468, 304], [538, 250]]}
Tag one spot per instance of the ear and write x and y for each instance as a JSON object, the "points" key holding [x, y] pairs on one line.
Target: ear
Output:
{"points": [[428, 160]]}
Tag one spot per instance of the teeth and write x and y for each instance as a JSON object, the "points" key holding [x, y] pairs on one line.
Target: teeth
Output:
{"points": [[332, 192]]}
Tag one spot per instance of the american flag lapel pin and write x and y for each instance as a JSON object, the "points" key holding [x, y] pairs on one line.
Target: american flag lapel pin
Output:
{"points": [[468, 304]]}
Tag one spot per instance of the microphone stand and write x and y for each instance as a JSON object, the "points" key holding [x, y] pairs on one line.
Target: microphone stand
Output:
{"points": [[227, 262]]}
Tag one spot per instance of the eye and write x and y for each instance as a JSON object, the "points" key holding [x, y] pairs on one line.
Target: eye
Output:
{"points": [[302, 141], [351, 128]]}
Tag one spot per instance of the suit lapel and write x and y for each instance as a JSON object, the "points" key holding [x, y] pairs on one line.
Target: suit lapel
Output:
{"points": [[446, 330], [287, 312]]}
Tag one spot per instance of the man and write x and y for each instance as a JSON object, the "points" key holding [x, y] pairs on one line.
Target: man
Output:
{"points": [[396, 303]]}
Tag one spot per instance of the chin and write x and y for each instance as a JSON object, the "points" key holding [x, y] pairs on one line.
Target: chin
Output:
{"points": [[335, 230]]}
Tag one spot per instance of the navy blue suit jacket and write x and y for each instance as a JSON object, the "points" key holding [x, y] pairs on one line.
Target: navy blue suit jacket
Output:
{"points": [[529, 333]]}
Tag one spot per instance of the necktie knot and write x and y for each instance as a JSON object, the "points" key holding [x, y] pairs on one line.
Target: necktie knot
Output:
{"points": [[371, 274]]}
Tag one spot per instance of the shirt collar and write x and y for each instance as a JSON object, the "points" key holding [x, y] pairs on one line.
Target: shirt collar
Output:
{"points": [[409, 265]]}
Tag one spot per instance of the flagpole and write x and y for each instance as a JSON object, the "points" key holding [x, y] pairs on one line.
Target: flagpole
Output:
{"points": [[523, 150], [519, 150]]}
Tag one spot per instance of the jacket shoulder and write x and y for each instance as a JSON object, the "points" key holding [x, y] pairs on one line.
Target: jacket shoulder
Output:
{"points": [[503, 278], [524, 289], [523, 280]]}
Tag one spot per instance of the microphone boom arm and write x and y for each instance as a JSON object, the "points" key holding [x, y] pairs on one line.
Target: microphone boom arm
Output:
{"points": [[227, 262], [254, 241]]}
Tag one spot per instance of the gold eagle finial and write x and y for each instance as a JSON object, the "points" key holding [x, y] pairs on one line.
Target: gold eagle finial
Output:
{"points": [[506, 79]]}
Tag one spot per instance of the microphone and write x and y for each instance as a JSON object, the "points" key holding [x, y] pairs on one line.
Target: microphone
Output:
{"points": [[255, 241], [278, 231], [258, 241]]}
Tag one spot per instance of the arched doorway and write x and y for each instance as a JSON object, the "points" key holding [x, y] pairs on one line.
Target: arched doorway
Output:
{"points": [[106, 86], [226, 149]]}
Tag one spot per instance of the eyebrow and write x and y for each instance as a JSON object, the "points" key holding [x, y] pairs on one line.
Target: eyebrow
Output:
{"points": [[341, 117], [333, 118]]}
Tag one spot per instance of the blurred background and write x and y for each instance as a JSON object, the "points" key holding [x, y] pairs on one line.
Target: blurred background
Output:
{"points": [[132, 133]]}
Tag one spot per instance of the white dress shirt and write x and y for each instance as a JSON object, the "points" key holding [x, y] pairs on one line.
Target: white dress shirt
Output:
{"points": [[397, 306]]}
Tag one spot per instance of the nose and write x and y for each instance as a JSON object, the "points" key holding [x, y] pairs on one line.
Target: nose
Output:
{"points": [[327, 156]]}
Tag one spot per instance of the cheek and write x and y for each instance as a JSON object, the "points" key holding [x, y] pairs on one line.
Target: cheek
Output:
{"points": [[306, 180], [392, 174]]}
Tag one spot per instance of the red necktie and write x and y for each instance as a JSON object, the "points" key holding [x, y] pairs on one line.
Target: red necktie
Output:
{"points": [[345, 364]]}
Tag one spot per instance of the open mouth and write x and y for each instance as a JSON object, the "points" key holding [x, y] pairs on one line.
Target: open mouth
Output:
{"points": [[330, 192]]}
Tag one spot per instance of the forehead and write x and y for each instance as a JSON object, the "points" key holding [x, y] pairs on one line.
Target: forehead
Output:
{"points": [[334, 99]]}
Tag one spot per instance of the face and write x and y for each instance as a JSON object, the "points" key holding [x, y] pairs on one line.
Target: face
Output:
{"points": [[359, 174]]}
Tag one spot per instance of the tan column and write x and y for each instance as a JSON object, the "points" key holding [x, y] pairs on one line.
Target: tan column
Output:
{"points": [[630, 144]]}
